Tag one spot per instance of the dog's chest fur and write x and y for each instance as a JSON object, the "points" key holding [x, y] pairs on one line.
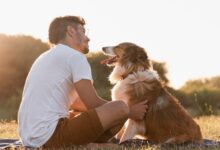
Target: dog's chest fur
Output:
{"points": [[119, 92], [123, 89]]}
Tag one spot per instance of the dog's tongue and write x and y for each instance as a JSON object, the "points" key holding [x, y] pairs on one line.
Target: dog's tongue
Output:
{"points": [[105, 61], [109, 60]]}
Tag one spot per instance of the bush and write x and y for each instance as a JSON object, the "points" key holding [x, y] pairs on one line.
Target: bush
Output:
{"points": [[17, 53], [204, 94], [9, 109]]}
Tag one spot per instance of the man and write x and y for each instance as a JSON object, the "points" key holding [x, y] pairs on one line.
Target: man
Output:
{"points": [[59, 80]]}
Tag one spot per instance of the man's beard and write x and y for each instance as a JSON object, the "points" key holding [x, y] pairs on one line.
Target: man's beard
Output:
{"points": [[81, 40], [86, 50]]}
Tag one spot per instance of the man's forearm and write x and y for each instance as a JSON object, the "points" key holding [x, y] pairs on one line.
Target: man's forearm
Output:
{"points": [[98, 103], [78, 106], [102, 101], [88, 95]]}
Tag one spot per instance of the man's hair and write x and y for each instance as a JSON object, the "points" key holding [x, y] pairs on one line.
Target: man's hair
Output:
{"points": [[58, 27]]}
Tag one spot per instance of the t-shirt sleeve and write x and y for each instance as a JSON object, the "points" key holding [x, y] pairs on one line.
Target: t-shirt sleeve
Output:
{"points": [[80, 68]]}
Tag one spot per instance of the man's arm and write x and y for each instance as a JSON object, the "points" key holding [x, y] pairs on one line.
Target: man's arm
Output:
{"points": [[88, 95], [78, 105]]}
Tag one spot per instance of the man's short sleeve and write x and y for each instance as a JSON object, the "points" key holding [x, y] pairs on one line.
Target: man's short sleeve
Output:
{"points": [[80, 67]]}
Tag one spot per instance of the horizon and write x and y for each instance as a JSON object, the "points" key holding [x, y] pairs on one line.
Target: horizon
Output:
{"points": [[184, 34]]}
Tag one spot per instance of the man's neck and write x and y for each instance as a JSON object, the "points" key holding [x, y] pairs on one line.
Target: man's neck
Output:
{"points": [[69, 45], [65, 43]]}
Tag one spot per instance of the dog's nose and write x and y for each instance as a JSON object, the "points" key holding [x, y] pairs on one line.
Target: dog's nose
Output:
{"points": [[104, 49]]}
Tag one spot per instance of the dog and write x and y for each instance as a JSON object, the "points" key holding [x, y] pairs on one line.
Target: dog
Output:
{"points": [[166, 121]]}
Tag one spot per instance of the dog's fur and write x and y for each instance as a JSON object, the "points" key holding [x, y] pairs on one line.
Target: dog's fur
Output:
{"points": [[166, 121]]}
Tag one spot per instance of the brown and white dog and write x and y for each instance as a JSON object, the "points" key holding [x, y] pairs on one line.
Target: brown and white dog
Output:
{"points": [[166, 121]]}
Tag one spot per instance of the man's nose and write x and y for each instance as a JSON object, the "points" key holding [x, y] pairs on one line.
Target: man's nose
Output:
{"points": [[88, 39]]}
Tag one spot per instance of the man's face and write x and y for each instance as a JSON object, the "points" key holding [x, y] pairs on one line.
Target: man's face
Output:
{"points": [[81, 39]]}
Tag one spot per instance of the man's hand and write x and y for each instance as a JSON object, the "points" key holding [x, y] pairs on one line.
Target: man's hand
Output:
{"points": [[138, 111], [73, 113]]}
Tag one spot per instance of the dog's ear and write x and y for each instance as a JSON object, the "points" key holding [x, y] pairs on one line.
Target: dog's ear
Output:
{"points": [[131, 53], [136, 54], [142, 55]]}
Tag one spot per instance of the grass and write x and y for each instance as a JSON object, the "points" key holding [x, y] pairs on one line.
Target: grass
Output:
{"points": [[210, 126], [8, 129]]}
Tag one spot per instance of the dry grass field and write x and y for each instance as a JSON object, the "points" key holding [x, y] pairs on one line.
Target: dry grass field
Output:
{"points": [[210, 126]]}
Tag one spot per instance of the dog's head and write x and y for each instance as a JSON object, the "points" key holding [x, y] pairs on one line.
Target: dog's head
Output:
{"points": [[127, 58]]}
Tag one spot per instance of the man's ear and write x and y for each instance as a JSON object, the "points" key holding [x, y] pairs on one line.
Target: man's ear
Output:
{"points": [[70, 31]]}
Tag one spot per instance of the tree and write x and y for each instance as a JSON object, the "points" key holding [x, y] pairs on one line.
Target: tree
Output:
{"points": [[17, 53], [205, 93]]}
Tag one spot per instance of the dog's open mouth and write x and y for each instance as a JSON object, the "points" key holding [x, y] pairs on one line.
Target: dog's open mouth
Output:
{"points": [[110, 60]]}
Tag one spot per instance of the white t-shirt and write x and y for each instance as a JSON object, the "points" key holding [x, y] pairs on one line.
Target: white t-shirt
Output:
{"points": [[49, 91]]}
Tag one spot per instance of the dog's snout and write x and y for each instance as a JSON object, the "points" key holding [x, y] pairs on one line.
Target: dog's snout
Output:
{"points": [[104, 48], [108, 50]]}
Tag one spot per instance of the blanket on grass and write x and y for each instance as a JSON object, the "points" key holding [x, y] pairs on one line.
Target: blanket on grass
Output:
{"points": [[206, 144], [133, 143]]}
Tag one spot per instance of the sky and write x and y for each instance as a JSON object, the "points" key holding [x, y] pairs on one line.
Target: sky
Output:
{"points": [[185, 34]]}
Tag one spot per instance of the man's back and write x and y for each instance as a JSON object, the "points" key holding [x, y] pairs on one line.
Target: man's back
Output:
{"points": [[48, 93]]}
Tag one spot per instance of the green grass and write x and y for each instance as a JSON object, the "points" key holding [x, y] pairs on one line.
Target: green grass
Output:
{"points": [[210, 126]]}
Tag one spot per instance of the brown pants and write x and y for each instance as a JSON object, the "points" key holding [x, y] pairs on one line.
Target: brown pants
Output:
{"points": [[82, 129]]}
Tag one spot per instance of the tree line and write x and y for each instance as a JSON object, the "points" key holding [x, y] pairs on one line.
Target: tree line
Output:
{"points": [[18, 52]]}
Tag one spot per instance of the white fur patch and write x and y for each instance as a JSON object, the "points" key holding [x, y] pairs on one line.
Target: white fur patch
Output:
{"points": [[109, 51], [140, 76], [161, 103], [133, 128], [116, 74], [119, 92], [120, 89], [170, 140]]}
